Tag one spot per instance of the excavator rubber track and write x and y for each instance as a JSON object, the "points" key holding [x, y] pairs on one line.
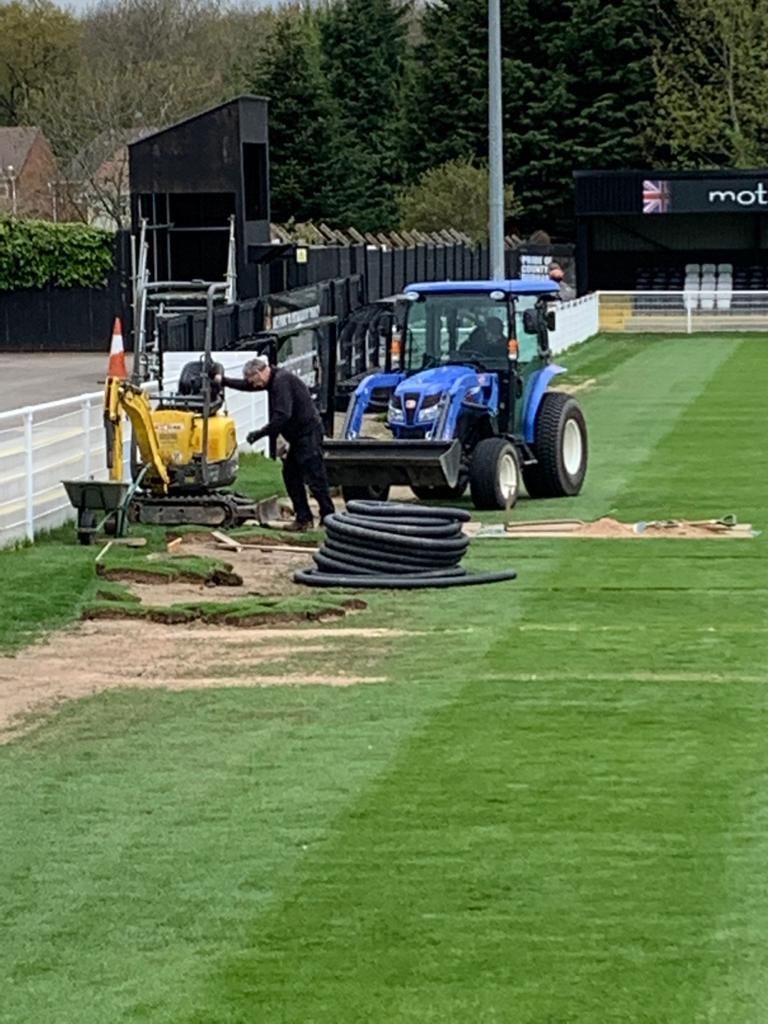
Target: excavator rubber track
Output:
{"points": [[216, 510]]}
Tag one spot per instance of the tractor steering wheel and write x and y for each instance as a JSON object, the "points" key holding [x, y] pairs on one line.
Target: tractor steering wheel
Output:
{"points": [[471, 359]]}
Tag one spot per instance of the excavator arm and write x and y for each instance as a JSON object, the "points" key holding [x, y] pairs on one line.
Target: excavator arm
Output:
{"points": [[120, 396]]}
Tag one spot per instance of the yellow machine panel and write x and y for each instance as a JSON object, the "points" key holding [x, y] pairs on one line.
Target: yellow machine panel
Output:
{"points": [[180, 436]]}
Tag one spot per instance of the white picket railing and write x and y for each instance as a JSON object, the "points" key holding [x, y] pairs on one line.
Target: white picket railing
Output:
{"points": [[39, 446], [575, 321], [695, 309]]}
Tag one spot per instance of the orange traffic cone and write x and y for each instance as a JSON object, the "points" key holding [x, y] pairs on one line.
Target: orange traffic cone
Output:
{"points": [[117, 367]]}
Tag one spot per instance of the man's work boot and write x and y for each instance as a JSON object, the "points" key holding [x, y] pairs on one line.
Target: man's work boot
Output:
{"points": [[299, 526]]}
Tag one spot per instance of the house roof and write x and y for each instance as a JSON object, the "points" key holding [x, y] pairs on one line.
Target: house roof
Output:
{"points": [[105, 151], [15, 144]]}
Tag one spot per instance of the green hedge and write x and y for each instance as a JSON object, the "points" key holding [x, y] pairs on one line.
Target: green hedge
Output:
{"points": [[36, 253]]}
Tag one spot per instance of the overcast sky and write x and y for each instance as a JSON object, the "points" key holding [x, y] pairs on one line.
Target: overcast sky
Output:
{"points": [[81, 5]]}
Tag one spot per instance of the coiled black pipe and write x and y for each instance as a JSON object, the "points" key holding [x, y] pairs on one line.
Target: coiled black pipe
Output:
{"points": [[394, 547]]}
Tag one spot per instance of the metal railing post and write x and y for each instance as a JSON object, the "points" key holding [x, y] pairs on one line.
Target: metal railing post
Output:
{"points": [[86, 426], [230, 293], [29, 462]]}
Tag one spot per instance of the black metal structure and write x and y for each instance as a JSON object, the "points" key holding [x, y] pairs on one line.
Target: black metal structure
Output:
{"points": [[633, 224], [54, 319], [189, 179]]}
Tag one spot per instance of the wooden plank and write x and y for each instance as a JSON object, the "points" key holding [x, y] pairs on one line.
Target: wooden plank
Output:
{"points": [[226, 541]]}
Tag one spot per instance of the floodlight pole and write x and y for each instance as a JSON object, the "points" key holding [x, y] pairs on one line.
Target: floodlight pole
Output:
{"points": [[495, 145]]}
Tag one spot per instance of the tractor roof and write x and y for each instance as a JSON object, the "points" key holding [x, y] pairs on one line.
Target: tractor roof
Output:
{"points": [[522, 286]]}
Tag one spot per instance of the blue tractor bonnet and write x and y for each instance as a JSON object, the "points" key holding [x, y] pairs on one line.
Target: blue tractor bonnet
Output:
{"points": [[520, 286]]}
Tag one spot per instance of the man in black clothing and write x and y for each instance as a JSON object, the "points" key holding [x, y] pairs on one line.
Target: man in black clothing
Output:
{"points": [[292, 414]]}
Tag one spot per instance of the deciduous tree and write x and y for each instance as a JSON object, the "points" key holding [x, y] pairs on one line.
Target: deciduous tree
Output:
{"points": [[38, 51], [712, 84], [454, 195]]}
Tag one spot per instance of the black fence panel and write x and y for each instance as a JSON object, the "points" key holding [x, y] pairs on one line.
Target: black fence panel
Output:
{"points": [[451, 260], [323, 264], [198, 332], [345, 263], [462, 262], [512, 263], [357, 259], [372, 274], [398, 271], [176, 334], [421, 263], [250, 317], [61, 319], [411, 272]]}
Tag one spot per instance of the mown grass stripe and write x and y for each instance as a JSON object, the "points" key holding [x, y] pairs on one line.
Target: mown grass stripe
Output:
{"points": [[462, 844], [480, 944]]}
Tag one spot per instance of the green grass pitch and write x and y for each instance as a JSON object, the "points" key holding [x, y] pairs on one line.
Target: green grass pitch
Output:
{"points": [[553, 813]]}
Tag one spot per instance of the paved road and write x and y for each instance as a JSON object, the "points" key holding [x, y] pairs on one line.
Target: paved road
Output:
{"points": [[34, 378]]}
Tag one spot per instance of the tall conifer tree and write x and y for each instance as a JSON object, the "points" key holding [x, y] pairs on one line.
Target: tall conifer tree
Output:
{"points": [[364, 44], [303, 125], [578, 91]]}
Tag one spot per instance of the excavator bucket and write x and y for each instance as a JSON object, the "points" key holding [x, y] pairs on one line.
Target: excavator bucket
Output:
{"points": [[369, 463]]}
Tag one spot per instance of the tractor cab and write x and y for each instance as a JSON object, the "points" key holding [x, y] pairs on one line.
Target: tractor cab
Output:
{"points": [[497, 331], [475, 323]]}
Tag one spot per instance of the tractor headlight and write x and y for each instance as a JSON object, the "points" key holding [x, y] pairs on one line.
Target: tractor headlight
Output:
{"points": [[395, 412], [430, 407]]}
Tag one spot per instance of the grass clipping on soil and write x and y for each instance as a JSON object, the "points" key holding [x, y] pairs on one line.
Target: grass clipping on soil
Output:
{"points": [[607, 528], [181, 579], [244, 612]]}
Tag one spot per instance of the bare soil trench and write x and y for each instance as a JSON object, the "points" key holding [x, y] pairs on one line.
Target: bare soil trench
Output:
{"points": [[97, 655]]}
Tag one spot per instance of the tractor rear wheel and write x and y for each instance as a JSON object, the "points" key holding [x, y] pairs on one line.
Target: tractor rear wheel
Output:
{"points": [[494, 474], [371, 493], [560, 447]]}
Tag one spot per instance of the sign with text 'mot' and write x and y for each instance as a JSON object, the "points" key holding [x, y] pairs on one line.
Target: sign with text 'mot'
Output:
{"points": [[713, 195]]}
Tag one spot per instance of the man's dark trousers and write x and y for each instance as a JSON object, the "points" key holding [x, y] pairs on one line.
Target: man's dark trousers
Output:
{"points": [[304, 465]]}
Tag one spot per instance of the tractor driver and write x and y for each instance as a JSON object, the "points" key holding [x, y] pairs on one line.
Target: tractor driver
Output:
{"points": [[292, 414], [486, 342]]}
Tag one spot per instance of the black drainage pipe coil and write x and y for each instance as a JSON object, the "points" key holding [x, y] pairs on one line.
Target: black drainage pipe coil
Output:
{"points": [[394, 547]]}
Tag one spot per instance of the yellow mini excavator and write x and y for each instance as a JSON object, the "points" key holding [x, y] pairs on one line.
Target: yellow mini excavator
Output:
{"points": [[184, 448]]}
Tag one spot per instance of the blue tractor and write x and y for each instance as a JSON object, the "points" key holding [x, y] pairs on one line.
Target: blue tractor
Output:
{"points": [[468, 401]]}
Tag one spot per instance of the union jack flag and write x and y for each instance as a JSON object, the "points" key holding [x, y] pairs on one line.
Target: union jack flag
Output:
{"points": [[655, 196]]}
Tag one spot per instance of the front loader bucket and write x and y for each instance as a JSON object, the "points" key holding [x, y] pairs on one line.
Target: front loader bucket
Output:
{"points": [[367, 463]]}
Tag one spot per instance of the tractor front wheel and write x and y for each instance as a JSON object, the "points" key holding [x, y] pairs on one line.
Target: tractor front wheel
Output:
{"points": [[560, 447], [437, 493], [494, 474], [370, 493]]}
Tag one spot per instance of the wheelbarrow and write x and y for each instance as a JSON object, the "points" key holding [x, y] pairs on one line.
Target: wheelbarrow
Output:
{"points": [[91, 497]]}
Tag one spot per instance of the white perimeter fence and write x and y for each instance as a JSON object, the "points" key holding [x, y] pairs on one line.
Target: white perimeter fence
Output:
{"points": [[575, 321], [42, 445], [683, 312]]}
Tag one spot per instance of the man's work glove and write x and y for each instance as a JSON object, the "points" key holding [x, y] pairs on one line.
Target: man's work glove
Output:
{"points": [[281, 449], [254, 436]]}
